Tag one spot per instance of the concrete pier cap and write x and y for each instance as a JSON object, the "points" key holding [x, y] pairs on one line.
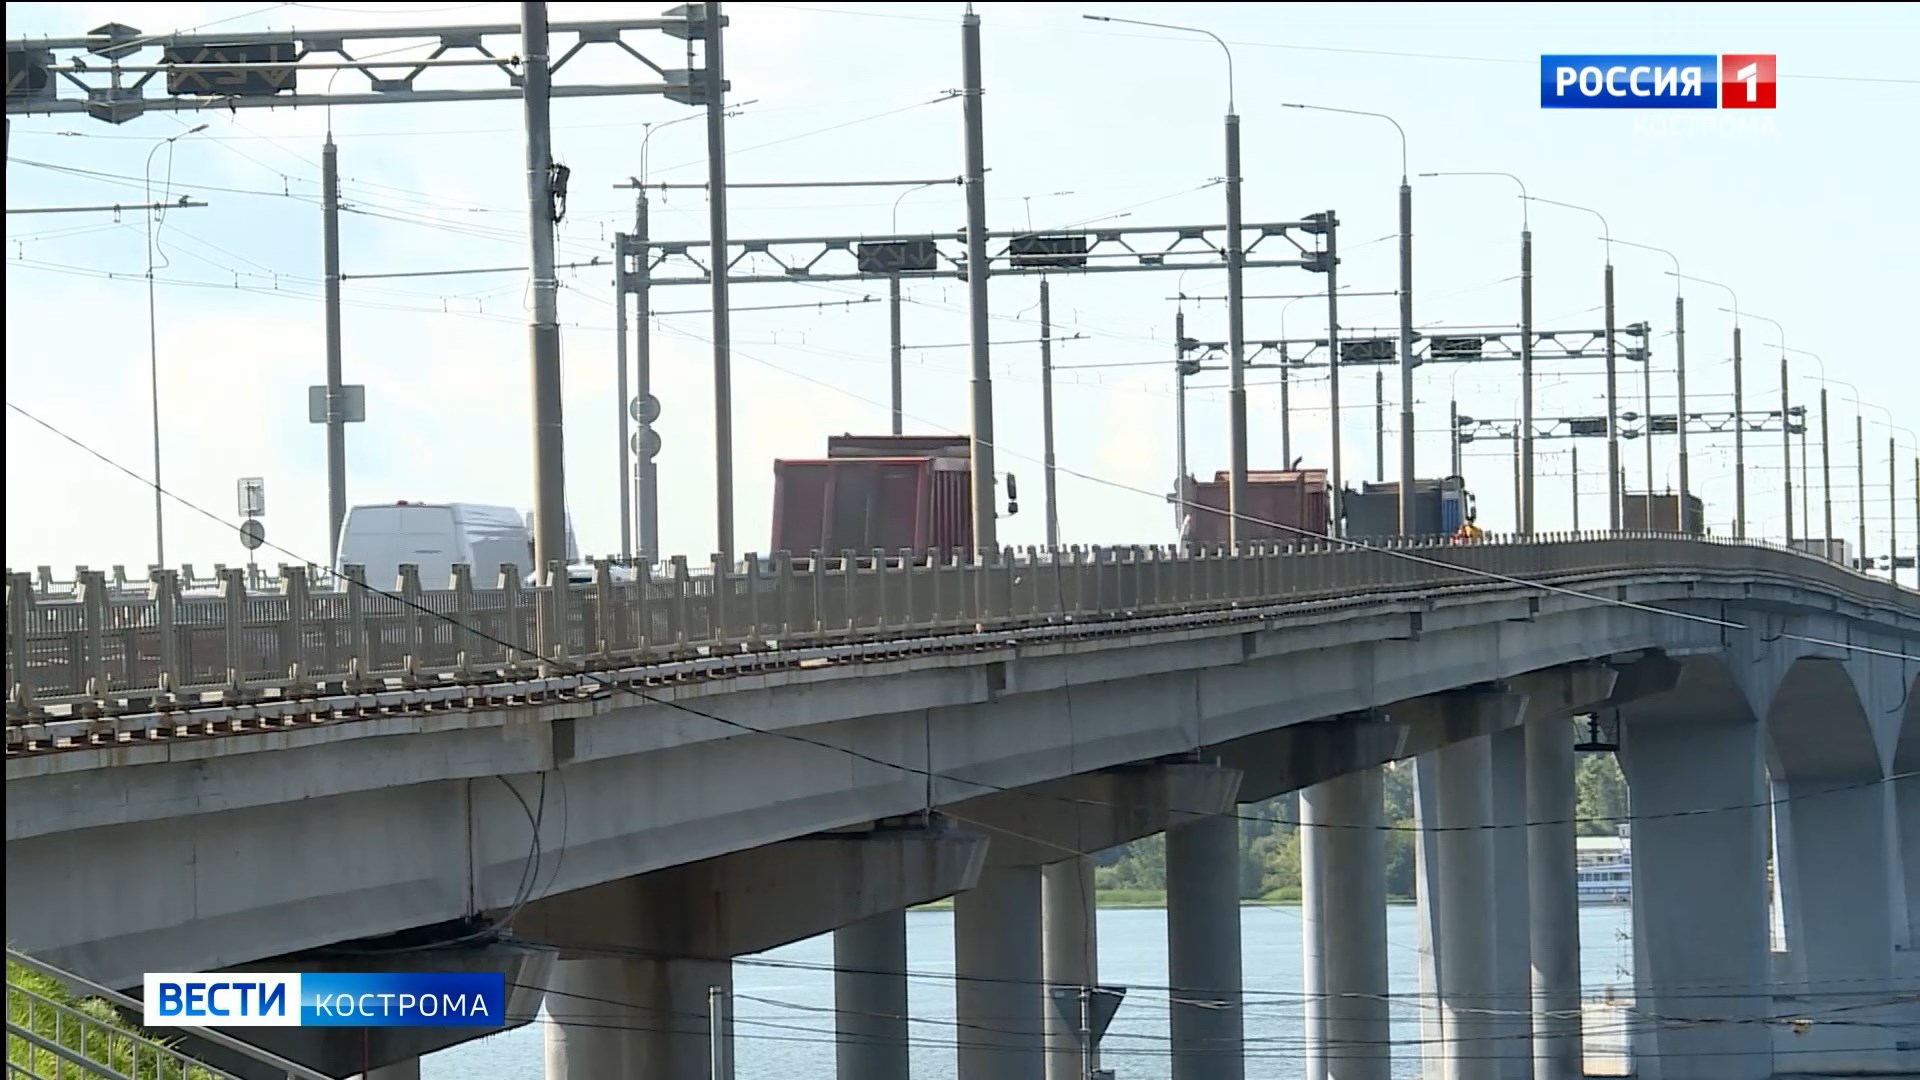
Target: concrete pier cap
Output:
{"points": [[761, 898], [1084, 814]]}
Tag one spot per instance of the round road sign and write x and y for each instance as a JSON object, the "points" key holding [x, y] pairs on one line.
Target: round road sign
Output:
{"points": [[645, 443], [644, 409], [253, 533]]}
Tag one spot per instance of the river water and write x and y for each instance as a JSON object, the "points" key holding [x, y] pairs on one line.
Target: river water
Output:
{"points": [[784, 999]]}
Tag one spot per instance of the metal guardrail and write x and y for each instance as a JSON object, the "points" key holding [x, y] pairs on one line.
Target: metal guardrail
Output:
{"points": [[107, 650], [49, 1039]]}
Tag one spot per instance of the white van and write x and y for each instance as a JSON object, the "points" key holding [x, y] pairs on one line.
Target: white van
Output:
{"points": [[435, 536]]}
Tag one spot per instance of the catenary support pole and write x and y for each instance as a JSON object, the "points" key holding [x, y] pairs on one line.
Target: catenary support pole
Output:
{"points": [[1336, 498], [1860, 486], [336, 419], [1893, 514], [622, 400], [1236, 342], [1380, 426], [1646, 425], [1739, 443], [985, 527], [1786, 453], [1826, 478], [1680, 389], [716, 82], [647, 469], [1526, 382], [549, 465], [1407, 433], [1046, 412], [1180, 409], [894, 360], [1614, 493]]}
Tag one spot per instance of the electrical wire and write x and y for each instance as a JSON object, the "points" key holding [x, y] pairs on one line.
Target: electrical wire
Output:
{"points": [[607, 687]]}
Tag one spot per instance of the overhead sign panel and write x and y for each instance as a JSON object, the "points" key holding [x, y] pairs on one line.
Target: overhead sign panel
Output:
{"points": [[277, 73], [898, 257], [1035, 252]]}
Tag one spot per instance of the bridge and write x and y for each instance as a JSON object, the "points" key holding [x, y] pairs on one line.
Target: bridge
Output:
{"points": [[620, 785]]}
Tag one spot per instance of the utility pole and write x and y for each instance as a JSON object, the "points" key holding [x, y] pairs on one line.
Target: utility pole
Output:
{"points": [[1739, 443], [1407, 464], [336, 421], [893, 353], [985, 527], [1180, 407], [1786, 451], [1615, 485], [1526, 385], [549, 465], [1335, 501], [722, 319], [1046, 410], [1453, 437], [1806, 485]]}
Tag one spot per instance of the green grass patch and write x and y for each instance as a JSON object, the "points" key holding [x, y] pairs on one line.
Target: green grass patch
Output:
{"points": [[103, 1036]]}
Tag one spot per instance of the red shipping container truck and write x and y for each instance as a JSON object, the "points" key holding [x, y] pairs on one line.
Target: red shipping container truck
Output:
{"points": [[1286, 505], [890, 492]]}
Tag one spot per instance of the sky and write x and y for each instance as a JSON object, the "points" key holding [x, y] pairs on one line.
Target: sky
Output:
{"points": [[1805, 211]]}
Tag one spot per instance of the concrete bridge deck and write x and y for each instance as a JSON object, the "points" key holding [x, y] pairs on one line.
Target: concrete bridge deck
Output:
{"points": [[689, 732]]}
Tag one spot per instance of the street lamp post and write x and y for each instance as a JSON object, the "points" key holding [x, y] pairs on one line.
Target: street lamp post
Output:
{"points": [[1526, 351], [1680, 378], [1236, 313], [153, 354], [1613, 402], [1739, 410], [1407, 469]]}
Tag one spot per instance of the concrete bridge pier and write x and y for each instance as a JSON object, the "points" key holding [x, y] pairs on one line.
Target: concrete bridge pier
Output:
{"points": [[1512, 1048], [1464, 950], [595, 1007], [1694, 763], [870, 994], [998, 991], [1068, 917], [1553, 901], [1203, 948], [1344, 928]]}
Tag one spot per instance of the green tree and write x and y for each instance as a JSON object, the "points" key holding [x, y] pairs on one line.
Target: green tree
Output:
{"points": [[1283, 865], [1397, 781], [1600, 794], [1399, 845]]}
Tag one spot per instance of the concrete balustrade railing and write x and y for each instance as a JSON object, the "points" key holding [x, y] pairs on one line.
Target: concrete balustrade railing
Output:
{"points": [[103, 646]]}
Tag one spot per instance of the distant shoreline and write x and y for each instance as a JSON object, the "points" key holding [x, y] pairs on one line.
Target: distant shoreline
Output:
{"points": [[1156, 899]]}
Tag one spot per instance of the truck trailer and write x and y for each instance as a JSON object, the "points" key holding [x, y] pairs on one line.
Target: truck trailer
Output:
{"points": [[1440, 507], [1284, 504], [886, 492]]}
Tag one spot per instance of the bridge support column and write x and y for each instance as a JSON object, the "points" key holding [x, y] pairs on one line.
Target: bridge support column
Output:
{"points": [[1553, 901], [1456, 895], [1068, 917], [1344, 928], [1906, 809], [594, 1005], [1699, 894], [1513, 967], [1203, 948], [1842, 916], [870, 994], [998, 975], [399, 1070]]}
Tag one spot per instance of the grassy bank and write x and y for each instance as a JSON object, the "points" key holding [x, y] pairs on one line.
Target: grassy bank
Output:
{"points": [[104, 1036], [1157, 898]]}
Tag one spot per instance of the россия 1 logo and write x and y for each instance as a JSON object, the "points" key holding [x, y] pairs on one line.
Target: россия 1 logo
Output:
{"points": [[1705, 81]]}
